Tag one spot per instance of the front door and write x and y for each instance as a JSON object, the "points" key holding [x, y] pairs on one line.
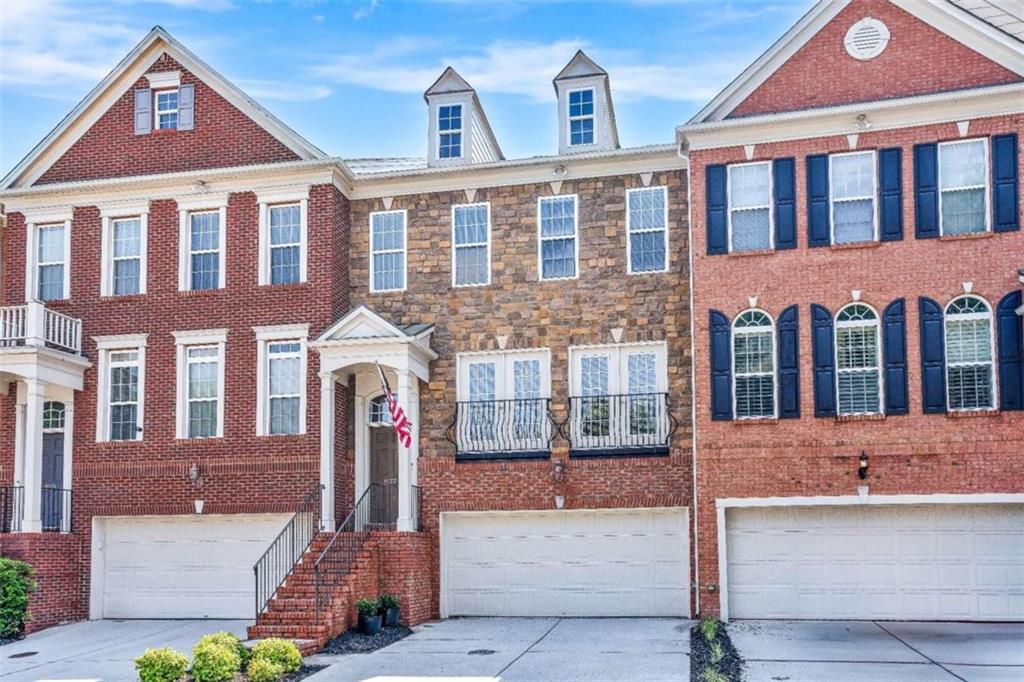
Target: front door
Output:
{"points": [[383, 475], [53, 480]]}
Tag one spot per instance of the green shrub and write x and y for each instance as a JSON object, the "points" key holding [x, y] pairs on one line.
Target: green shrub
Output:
{"points": [[213, 662], [368, 607], [228, 640], [389, 601], [161, 665], [709, 628], [712, 675], [263, 670], [280, 652], [717, 652], [16, 584]]}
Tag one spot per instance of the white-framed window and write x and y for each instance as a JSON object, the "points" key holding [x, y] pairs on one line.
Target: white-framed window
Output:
{"points": [[471, 240], [852, 182], [581, 117], [963, 186], [557, 243], [124, 255], [202, 257], [970, 371], [647, 229], [283, 236], [749, 188], [387, 250], [51, 262], [449, 130], [753, 365], [858, 360], [200, 405], [281, 379], [165, 109], [120, 387]]}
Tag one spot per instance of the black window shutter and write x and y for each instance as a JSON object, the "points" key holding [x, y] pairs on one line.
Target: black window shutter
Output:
{"points": [[784, 189], [890, 194], [933, 356], [818, 222], [714, 189], [789, 363], [894, 343], [721, 367], [1011, 353], [1005, 200], [926, 190], [824, 363]]}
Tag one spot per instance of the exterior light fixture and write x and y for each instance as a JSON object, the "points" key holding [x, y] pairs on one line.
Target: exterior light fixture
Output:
{"points": [[199, 504], [862, 122], [559, 470], [560, 171], [862, 465]]}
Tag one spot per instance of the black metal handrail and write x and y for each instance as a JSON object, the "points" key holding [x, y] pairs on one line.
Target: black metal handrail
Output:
{"points": [[55, 510], [522, 427], [284, 552], [12, 508], [623, 424]]}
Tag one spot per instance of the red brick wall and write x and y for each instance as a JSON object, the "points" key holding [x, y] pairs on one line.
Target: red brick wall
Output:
{"points": [[918, 60], [915, 453], [56, 559], [223, 136], [409, 571]]}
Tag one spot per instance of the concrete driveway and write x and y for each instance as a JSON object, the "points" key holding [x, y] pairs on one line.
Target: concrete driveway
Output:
{"points": [[864, 651], [527, 649], [100, 650]]}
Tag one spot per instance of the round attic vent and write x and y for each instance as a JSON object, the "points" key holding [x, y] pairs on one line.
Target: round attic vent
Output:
{"points": [[866, 39]]}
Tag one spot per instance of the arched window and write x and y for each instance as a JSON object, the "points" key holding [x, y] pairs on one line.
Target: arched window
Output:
{"points": [[379, 410], [970, 379], [53, 415], [753, 353], [858, 361]]}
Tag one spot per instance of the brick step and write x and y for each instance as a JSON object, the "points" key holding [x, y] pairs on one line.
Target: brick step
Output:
{"points": [[290, 604], [289, 631], [288, 618]]}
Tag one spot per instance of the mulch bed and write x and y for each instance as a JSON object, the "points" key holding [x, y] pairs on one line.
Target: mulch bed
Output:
{"points": [[304, 671], [731, 665], [355, 642]]}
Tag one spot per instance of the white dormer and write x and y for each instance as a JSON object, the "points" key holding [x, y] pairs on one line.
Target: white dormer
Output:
{"points": [[459, 133], [586, 117]]}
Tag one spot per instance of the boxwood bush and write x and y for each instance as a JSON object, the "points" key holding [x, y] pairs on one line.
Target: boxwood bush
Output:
{"points": [[213, 662], [262, 670], [161, 665], [228, 640], [280, 652], [16, 584]]}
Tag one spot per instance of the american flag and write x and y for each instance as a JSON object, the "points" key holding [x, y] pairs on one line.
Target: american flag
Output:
{"points": [[403, 427]]}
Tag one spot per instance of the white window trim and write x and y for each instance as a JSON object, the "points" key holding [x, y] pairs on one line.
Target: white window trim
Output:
{"points": [[268, 200], [156, 109], [993, 362], [264, 337], [404, 250], [183, 340], [879, 360], [770, 205], [105, 345], [33, 222], [774, 355], [455, 247], [629, 232], [832, 201], [185, 210], [460, 131], [108, 216], [569, 118], [987, 188], [617, 351], [541, 239]]}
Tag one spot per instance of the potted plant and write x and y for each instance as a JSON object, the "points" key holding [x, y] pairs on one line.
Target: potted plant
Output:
{"points": [[369, 616], [389, 605]]}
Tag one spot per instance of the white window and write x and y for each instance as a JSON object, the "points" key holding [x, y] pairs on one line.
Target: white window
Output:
{"points": [[283, 236], [165, 112], [852, 188], [471, 238], [558, 248], [51, 262], [753, 364], [126, 247], [647, 227], [387, 250], [202, 243], [581, 117], [200, 408], [750, 206], [858, 360], [281, 379], [449, 126], [963, 185], [120, 387], [970, 376]]}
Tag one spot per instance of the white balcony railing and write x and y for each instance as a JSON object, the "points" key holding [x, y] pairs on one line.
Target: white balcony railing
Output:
{"points": [[32, 324]]}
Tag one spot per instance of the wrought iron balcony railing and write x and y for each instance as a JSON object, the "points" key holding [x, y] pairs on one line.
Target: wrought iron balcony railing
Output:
{"points": [[502, 429], [626, 424], [12, 508], [54, 509]]}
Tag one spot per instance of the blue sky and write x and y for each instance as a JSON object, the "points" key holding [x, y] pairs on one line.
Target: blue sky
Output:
{"points": [[349, 76]]}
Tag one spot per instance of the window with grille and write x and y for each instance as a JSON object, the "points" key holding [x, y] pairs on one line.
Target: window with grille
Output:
{"points": [[581, 117], [647, 222], [558, 247], [51, 262], [203, 378], [852, 184], [124, 394], [963, 185], [126, 256], [387, 251], [166, 110], [284, 372], [753, 352], [750, 206], [285, 244], [482, 394], [204, 250], [378, 409], [471, 228], [53, 416], [449, 126], [595, 406], [970, 379], [858, 361]]}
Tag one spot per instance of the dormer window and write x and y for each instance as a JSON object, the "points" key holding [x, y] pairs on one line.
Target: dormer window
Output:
{"points": [[166, 109], [449, 126], [581, 117]]}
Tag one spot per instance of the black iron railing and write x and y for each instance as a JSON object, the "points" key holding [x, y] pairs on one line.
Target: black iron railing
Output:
{"points": [[626, 424], [12, 508], [287, 548], [55, 510], [499, 429]]}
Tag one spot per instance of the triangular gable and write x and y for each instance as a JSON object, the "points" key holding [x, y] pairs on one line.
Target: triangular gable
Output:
{"points": [[363, 323], [1005, 54], [580, 66], [449, 81], [156, 45]]}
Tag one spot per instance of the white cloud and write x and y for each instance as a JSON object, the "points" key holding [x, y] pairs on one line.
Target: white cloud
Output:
{"points": [[366, 11], [282, 90]]}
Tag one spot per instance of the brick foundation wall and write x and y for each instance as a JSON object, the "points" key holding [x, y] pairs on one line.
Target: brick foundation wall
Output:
{"points": [[56, 559], [408, 564]]}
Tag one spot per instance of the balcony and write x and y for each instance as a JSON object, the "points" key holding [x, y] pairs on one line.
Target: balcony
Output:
{"points": [[619, 425], [502, 429], [34, 325], [55, 507]]}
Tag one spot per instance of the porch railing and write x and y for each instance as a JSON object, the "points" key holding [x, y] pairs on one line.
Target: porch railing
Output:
{"points": [[287, 548], [12, 508], [518, 428], [33, 324], [55, 509], [625, 424]]}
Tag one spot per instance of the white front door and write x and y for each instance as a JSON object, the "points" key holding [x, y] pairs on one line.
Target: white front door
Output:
{"points": [[899, 562], [619, 562]]}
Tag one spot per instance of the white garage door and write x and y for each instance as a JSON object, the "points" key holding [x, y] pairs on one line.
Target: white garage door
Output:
{"points": [[179, 566], [565, 563], [928, 562]]}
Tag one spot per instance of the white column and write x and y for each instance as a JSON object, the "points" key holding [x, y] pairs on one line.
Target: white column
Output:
{"points": [[327, 521], [405, 383], [69, 438], [33, 469], [19, 443], [359, 431]]}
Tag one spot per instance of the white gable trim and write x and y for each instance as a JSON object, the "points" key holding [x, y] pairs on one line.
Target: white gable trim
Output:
{"points": [[361, 320]]}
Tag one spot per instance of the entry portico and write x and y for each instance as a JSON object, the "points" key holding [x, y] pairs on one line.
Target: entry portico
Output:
{"points": [[353, 347]]}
